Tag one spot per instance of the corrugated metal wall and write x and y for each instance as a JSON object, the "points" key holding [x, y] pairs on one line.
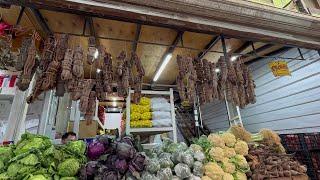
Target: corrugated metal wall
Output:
{"points": [[215, 116], [286, 104]]}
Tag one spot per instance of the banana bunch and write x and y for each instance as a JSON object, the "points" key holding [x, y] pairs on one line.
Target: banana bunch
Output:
{"points": [[141, 124]]}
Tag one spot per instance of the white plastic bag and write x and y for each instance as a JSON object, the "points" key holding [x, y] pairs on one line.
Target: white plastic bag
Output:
{"points": [[161, 107], [162, 123], [158, 100], [157, 115]]}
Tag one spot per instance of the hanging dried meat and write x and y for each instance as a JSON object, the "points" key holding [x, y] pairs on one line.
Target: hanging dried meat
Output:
{"points": [[29, 67], [67, 65], [230, 80], [186, 79], [107, 73], [137, 79], [84, 99], [46, 58], [50, 76], [47, 53], [91, 107], [77, 69], [23, 54], [61, 41]]}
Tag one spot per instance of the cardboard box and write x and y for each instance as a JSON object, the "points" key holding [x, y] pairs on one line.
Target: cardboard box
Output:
{"points": [[85, 130]]}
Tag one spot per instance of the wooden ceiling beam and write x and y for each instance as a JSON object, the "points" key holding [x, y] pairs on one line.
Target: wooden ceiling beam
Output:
{"points": [[259, 50], [136, 38], [273, 53], [89, 22], [41, 21], [207, 48], [242, 47], [20, 15]]}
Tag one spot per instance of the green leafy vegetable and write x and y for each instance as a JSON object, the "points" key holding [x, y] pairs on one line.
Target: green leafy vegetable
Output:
{"points": [[69, 168]]}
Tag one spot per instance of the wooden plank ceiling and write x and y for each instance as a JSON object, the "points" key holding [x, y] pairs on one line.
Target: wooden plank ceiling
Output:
{"points": [[117, 36]]}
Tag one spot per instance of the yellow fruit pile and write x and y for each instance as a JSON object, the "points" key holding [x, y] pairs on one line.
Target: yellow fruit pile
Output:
{"points": [[140, 115], [141, 124]]}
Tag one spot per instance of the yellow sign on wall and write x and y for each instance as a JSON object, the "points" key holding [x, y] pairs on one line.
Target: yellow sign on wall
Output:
{"points": [[279, 68]]}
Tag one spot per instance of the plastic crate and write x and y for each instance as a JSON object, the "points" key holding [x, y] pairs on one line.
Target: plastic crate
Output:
{"points": [[312, 141], [291, 142], [315, 158]]}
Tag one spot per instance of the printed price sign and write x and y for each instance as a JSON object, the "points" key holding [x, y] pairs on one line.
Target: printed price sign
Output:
{"points": [[279, 68]]}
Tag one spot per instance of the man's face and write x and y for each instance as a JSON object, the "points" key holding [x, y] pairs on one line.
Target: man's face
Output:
{"points": [[69, 138]]}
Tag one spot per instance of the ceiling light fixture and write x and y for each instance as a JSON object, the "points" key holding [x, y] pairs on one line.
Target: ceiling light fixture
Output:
{"points": [[217, 70], [163, 65], [96, 54], [233, 58], [114, 103]]}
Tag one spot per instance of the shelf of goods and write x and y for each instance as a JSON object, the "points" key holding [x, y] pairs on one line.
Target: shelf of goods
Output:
{"points": [[152, 130]]}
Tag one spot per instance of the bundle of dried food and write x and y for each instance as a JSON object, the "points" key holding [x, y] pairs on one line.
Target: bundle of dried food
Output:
{"points": [[186, 79], [266, 163], [29, 67]]}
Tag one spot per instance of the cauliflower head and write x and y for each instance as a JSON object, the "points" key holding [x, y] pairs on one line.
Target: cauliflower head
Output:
{"points": [[229, 139], [240, 176], [241, 148], [227, 166], [216, 153], [227, 176], [241, 163], [229, 152], [214, 171], [195, 147], [216, 140]]}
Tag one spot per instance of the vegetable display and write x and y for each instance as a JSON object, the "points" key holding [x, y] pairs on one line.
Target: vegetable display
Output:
{"points": [[174, 161], [112, 160], [224, 156], [35, 158]]}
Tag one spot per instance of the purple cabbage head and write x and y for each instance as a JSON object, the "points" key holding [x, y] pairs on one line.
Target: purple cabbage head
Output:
{"points": [[89, 170], [104, 139], [138, 162], [121, 165], [111, 161], [95, 150], [128, 140], [125, 151]]}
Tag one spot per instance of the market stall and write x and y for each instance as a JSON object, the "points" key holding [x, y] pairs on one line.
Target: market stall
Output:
{"points": [[118, 85]]}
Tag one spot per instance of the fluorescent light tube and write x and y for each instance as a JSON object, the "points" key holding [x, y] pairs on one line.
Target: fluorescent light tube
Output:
{"points": [[96, 54], [233, 58], [163, 65]]}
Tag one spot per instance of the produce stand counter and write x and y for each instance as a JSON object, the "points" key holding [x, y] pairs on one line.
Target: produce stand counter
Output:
{"points": [[153, 130]]}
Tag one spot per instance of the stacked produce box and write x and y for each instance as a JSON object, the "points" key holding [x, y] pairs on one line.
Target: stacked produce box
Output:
{"points": [[140, 114]]}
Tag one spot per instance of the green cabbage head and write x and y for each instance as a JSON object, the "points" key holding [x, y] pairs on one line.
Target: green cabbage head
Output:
{"points": [[69, 168]]}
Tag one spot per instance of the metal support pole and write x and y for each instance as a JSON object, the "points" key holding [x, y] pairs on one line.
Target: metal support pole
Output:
{"points": [[45, 113], [76, 122], [223, 42], [196, 116]]}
